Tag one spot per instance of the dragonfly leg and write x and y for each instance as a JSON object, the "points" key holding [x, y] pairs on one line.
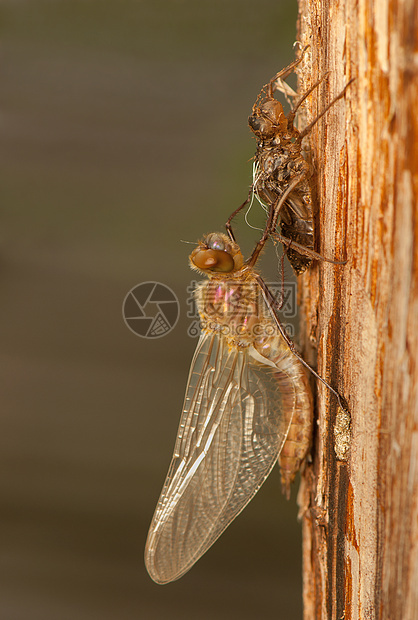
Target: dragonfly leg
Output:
{"points": [[307, 129], [228, 225], [270, 230], [292, 113], [284, 73], [273, 216], [268, 296], [301, 249]]}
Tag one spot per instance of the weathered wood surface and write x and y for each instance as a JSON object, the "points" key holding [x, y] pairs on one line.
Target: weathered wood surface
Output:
{"points": [[360, 516]]}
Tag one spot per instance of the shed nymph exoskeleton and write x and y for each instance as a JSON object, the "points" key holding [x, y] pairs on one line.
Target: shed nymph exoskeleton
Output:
{"points": [[282, 175]]}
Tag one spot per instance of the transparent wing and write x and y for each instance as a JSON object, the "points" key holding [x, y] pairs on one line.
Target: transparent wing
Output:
{"points": [[236, 415]]}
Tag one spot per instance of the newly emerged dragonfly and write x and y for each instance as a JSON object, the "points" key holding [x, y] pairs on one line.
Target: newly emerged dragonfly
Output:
{"points": [[248, 404], [282, 175]]}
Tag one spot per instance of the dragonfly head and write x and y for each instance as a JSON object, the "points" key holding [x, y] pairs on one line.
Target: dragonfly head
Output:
{"points": [[216, 253], [267, 119]]}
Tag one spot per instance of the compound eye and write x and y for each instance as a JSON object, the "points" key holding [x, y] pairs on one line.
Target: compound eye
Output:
{"points": [[261, 126], [213, 260]]}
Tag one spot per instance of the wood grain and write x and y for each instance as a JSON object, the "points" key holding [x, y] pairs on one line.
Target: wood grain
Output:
{"points": [[360, 321]]}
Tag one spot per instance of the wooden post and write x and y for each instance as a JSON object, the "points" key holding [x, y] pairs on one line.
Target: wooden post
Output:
{"points": [[360, 509]]}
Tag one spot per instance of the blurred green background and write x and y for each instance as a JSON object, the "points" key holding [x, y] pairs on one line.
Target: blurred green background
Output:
{"points": [[124, 131]]}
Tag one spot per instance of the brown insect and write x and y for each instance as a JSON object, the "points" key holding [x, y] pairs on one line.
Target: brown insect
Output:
{"points": [[281, 173], [248, 404]]}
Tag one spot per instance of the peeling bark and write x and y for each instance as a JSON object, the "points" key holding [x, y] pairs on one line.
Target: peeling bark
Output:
{"points": [[360, 320]]}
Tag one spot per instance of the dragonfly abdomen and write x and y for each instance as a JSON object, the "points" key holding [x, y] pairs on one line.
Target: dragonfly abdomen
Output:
{"points": [[297, 444], [292, 376]]}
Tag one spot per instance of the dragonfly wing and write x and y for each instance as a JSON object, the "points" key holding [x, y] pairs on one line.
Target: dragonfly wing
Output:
{"points": [[236, 415]]}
